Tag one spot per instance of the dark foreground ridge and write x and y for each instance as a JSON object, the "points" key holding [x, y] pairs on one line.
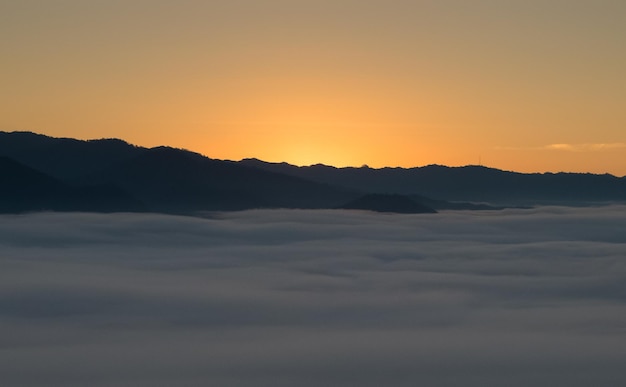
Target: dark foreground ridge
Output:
{"points": [[41, 173], [25, 189], [476, 184], [160, 179]]}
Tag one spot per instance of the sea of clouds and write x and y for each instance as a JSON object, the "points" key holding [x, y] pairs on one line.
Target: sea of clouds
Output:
{"points": [[315, 298]]}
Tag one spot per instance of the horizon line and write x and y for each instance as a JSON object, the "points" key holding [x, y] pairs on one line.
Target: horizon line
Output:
{"points": [[362, 166]]}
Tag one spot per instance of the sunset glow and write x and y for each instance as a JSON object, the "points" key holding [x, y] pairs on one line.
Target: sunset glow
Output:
{"points": [[306, 193], [517, 85]]}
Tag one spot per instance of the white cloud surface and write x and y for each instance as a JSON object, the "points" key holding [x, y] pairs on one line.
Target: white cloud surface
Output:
{"points": [[314, 298]]}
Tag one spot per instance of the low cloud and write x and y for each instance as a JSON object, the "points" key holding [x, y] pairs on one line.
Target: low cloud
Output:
{"points": [[585, 147], [310, 298]]}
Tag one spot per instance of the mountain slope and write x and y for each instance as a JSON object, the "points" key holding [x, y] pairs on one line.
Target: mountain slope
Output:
{"points": [[65, 158], [174, 180], [26, 189], [163, 178], [470, 183]]}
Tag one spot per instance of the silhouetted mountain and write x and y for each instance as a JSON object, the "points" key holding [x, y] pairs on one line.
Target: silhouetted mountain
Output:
{"points": [[174, 180], [388, 203], [26, 189], [112, 175], [165, 179], [470, 183], [65, 158]]}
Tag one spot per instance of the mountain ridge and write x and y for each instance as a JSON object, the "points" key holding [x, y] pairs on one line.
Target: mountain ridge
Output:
{"points": [[166, 179], [25, 189], [253, 160], [466, 183]]}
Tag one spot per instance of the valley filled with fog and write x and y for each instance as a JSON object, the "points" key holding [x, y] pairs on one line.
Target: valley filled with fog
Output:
{"points": [[517, 297]]}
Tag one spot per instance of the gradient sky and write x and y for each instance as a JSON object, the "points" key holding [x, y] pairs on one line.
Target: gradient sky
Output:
{"points": [[518, 85]]}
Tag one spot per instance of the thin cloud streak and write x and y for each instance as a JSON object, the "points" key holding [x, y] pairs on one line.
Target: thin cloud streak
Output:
{"points": [[585, 147], [310, 298]]}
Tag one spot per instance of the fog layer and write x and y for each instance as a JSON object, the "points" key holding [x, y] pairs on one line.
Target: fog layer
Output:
{"points": [[314, 298]]}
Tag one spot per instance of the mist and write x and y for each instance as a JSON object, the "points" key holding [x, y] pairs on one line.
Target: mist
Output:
{"points": [[313, 298]]}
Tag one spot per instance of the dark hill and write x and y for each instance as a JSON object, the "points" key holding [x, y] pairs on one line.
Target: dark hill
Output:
{"points": [[174, 180], [179, 181], [26, 189], [164, 179], [388, 203], [470, 183], [64, 158]]}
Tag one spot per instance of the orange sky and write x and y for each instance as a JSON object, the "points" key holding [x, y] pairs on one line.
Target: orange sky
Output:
{"points": [[534, 85]]}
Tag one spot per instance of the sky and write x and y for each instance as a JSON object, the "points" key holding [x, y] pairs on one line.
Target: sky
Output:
{"points": [[530, 86], [314, 298]]}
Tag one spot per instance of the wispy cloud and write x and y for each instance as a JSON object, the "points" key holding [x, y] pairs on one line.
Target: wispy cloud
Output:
{"points": [[586, 147], [314, 298], [581, 147]]}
